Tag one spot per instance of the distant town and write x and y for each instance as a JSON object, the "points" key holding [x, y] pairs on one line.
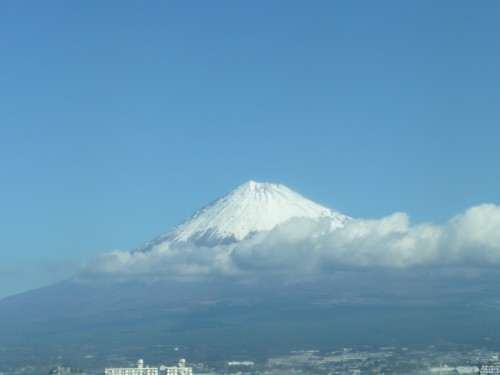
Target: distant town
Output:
{"points": [[345, 361]]}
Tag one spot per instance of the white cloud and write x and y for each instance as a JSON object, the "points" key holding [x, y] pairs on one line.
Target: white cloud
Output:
{"points": [[305, 248]]}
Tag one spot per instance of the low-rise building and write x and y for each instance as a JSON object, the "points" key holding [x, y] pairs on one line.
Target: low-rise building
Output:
{"points": [[139, 370], [179, 370], [490, 370]]}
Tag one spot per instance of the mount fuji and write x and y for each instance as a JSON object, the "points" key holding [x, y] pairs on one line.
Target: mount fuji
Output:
{"points": [[91, 321], [250, 208]]}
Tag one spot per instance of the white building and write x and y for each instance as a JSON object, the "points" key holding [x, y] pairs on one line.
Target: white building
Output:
{"points": [[467, 370], [139, 370], [180, 370], [490, 369]]}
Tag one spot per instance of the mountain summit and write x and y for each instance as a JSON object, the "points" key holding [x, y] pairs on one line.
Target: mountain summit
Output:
{"points": [[250, 208]]}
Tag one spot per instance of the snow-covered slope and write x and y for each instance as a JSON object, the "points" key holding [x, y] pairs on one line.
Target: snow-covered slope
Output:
{"points": [[250, 208]]}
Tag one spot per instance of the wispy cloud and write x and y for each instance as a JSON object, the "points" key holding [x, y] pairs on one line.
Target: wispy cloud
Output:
{"points": [[306, 248]]}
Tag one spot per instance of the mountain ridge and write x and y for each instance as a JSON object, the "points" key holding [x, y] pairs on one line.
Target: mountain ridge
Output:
{"points": [[251, 207]]}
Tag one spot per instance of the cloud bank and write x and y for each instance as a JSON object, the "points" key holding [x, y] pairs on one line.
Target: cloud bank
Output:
{"points": [[307, 248]]}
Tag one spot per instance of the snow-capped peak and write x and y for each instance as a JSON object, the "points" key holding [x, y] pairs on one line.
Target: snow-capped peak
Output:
{"points": [[250, 208]]}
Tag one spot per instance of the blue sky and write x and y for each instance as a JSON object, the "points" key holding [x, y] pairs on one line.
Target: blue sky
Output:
{"points": [[120, 118]]}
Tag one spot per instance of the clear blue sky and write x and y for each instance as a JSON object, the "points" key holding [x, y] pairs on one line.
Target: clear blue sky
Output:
{"points": [[120, 118]]}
